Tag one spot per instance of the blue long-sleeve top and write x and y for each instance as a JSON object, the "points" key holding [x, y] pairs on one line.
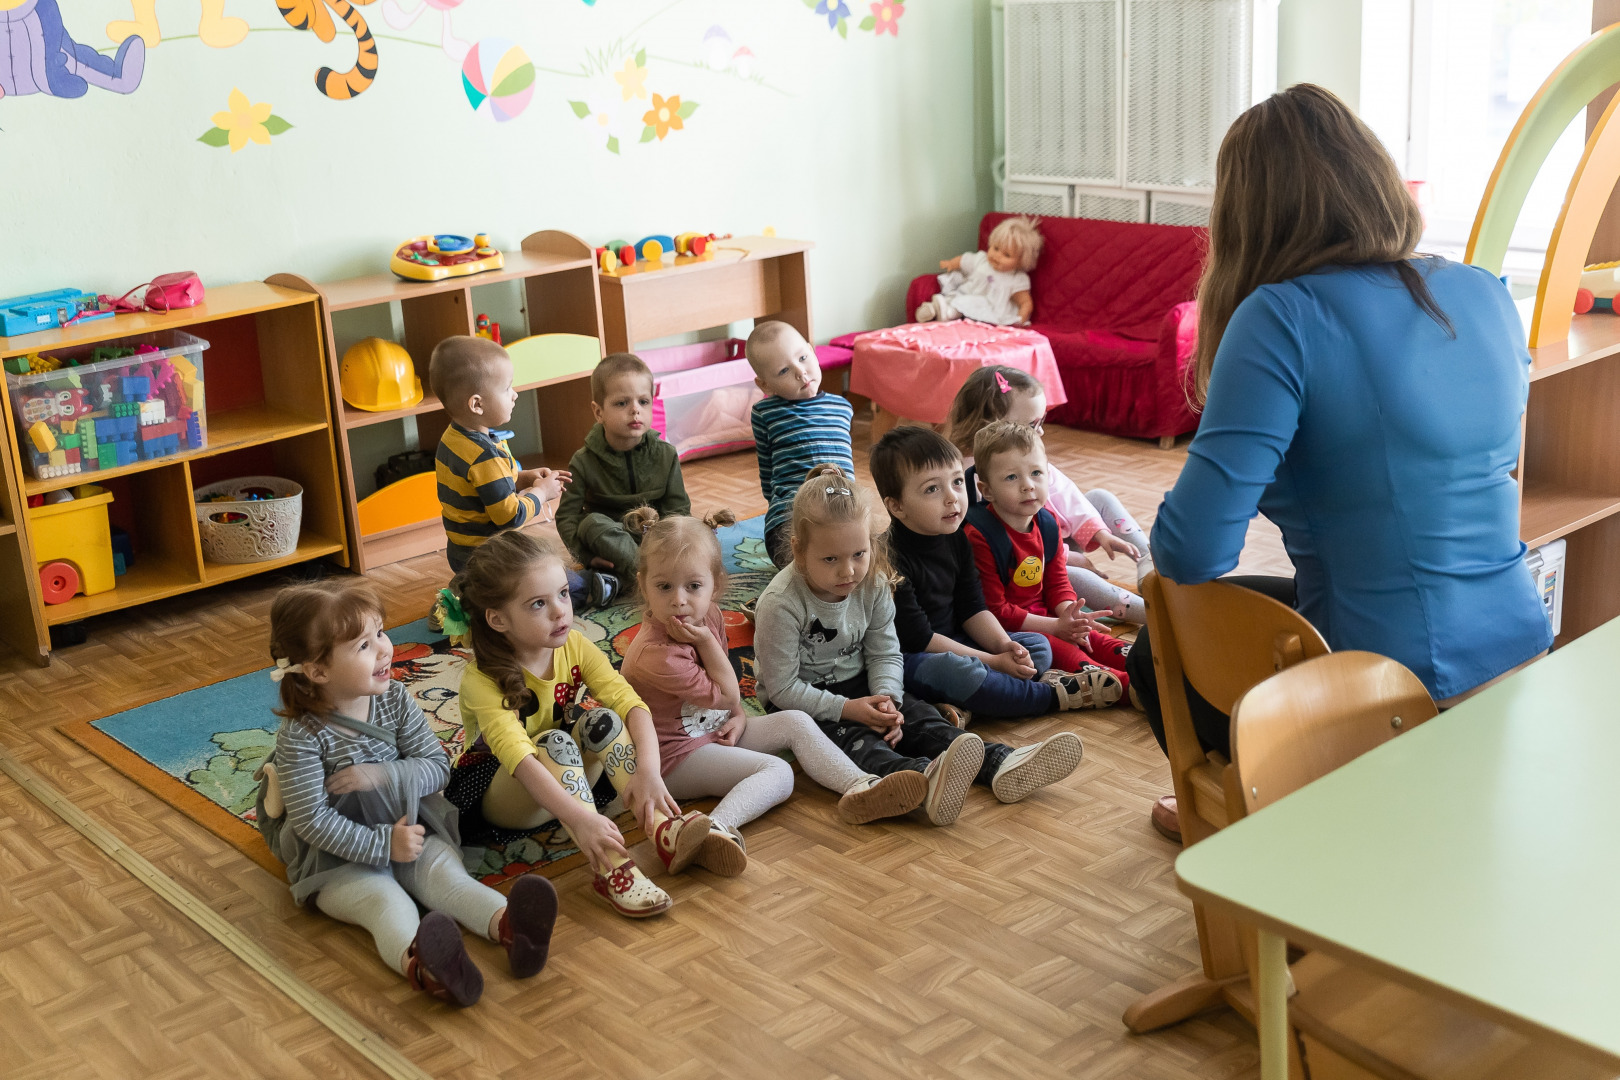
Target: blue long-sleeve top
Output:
{"points": [[1382, 449]]}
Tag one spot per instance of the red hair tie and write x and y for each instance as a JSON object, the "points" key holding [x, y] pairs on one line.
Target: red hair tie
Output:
{"points": [[1001, 382]]}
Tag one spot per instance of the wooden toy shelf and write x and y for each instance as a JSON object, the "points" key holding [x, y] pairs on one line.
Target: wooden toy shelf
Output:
{"points": [[558, 276], [1569, 467], [269, 411]]}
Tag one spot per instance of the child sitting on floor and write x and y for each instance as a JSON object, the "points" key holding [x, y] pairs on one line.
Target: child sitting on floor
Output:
{"points": [[824, 643], [990, 286], [623, 464], [956, 653], [708, 745], [350, 802], [481, 489], [530, 740], [796, 427], [1015, 541], [1006, 393]]}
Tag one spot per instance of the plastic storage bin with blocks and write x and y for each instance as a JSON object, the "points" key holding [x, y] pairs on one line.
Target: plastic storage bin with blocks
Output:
{"points": [[110, 405], [249, 519], [702, 397]]}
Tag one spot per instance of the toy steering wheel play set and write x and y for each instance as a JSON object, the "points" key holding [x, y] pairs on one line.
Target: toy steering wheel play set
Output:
{"points": [[433, 258]]}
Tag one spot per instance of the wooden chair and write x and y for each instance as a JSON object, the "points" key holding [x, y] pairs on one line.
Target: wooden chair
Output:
{"points": [[1223, 639], [1287, 731]]}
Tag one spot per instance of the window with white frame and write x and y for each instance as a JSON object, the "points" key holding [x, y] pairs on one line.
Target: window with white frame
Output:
{"points": [[1475, 65]]}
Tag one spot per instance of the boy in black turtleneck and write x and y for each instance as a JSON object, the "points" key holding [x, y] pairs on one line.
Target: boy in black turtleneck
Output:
{"points": [[955, 650]]}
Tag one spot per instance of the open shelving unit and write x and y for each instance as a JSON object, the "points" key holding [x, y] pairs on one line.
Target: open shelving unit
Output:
{"points": [[1569, 467], [557, 272], [269, 411]]}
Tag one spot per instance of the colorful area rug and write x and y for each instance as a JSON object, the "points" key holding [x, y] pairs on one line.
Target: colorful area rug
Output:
{"points": [[197, 751]]}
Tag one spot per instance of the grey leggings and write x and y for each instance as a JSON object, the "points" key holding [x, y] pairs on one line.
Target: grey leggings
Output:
{"points": [[379, 898], [750, 775], [1096, 591]]}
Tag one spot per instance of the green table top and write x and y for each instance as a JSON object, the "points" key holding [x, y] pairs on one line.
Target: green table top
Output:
{"points": [[1478, 854]]}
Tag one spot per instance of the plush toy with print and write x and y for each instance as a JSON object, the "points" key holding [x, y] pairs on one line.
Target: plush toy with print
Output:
{"points": [[38, 57]]}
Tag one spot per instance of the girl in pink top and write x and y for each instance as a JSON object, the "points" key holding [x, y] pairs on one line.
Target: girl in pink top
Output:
{"points": [[708, 746]]}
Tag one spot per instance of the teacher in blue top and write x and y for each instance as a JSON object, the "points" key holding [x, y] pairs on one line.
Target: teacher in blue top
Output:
{"points": [[1366, 400]]}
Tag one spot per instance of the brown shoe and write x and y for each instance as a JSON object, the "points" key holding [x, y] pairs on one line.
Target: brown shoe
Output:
{"points": [[875, 797], [1166, 819], [437, 962], [525, 930], [954, 715]]}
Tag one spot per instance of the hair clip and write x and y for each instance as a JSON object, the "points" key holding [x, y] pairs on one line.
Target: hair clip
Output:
{"points": [[838, 491], [1001, 383], [646, 527], [453, 615], [284, 668]]}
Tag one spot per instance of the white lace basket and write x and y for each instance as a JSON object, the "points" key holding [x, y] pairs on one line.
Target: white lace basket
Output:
{"points": [[244, 529]]}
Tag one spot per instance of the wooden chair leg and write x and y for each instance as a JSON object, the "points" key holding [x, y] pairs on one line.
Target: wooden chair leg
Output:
{"points": [[1180, 1000], [1167, 442]]}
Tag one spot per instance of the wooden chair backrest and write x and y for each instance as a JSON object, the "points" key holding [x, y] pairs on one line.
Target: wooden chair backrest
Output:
{"points": [[1304, 722]]}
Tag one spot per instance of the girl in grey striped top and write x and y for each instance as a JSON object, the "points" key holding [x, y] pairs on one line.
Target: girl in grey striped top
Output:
{"points": [[351, 802]]}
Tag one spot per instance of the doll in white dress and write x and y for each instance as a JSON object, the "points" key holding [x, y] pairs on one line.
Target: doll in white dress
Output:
{"points": [[989, 286]]}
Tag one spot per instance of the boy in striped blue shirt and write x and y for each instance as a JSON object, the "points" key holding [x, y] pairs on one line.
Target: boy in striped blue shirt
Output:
{"points": [[796, 426]]}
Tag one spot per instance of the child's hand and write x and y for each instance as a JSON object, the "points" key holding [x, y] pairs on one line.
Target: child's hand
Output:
{"points": [[547, 483], [598, 838], [1074, 625], [353, 778], [876, 712], [689, 633], [1018, 664], [405, 842], [732, 729], [1112, 545], [646, 793]]}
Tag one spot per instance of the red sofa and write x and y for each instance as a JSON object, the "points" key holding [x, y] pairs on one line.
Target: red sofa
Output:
{"points": [[1115, 299]]}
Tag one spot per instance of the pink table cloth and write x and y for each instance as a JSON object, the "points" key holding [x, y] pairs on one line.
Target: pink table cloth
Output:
{"points": [[914, 371]]}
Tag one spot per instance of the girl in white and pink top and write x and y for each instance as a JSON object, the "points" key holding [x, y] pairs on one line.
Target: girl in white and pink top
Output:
{"points": [[708, 745]]}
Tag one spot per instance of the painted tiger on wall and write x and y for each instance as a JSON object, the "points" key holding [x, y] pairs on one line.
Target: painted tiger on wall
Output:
{"points": [[312, 15]]}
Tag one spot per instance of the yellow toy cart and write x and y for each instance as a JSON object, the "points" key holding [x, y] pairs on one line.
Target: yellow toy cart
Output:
{"points": [[73, 545]]}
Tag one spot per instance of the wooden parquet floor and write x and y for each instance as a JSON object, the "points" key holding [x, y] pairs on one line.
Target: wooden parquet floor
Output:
{"points": [[1005, 946]]}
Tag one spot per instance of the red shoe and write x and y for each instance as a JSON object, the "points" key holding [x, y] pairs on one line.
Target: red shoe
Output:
{"points": [[1167, 819], [627, 891], [526, 925], [437, 962], [680, 840]]}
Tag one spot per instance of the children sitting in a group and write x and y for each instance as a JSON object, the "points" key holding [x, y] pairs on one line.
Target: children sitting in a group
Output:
{"points": [[955, 650], [481, 489], [350, 802], [797, 426], [529, 738], [1094, 521], [824, 644], [623, 465], [680, 665], [1017, 550]]}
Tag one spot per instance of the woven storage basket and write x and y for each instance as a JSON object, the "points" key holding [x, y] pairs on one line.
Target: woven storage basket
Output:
{"points": [[239, 529]]}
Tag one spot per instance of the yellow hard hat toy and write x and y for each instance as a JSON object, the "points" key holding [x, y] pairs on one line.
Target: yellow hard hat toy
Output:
{"points": [[377, 375]]}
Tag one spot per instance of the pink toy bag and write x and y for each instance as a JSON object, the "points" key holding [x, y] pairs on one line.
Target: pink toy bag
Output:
{"points": [[166, 292]]}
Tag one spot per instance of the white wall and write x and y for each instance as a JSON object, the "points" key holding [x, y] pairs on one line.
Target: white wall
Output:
{"points": [[1319, 41]]}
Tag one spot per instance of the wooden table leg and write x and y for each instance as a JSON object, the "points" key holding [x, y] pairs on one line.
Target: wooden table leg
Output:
{"points": [[883, 421], [1273, 1006]]}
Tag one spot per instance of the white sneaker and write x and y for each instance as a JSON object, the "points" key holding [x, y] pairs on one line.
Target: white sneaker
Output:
{"points": [[874, 797], [1091, 687], [1031, 767], [927, 312], [949, 777]]}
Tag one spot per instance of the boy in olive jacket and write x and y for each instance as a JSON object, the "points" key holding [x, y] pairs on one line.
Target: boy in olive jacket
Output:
{"points": [[623, 465]]}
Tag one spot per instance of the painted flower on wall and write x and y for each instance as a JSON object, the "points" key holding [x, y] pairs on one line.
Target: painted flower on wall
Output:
{"points": [[607, 116], [632, 78], [837, 13], [666, 115], [885, 18], [241, 122]]}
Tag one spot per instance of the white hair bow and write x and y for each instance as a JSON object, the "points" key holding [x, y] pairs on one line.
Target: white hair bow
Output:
{"points": [[283, 668]]}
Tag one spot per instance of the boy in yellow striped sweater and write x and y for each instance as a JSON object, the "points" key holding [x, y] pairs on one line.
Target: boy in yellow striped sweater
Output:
{"points": [[482, 491]]}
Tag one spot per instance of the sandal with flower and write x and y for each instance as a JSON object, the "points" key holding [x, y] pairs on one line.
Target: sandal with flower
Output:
{"points": [[628, 891], [437, 962]]}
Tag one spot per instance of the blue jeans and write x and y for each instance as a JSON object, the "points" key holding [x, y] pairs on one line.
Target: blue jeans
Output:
{"points": [[968, 682]]}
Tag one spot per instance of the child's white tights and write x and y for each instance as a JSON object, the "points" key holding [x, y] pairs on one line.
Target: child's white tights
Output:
{"points": [[750, 775], [379, 898]]}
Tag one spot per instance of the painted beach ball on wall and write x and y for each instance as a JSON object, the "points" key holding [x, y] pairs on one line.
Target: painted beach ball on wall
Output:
{"points": [[499, 72]]}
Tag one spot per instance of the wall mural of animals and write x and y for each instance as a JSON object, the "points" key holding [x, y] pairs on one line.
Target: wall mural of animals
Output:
{"points": [[39, 56], [313, 15]]}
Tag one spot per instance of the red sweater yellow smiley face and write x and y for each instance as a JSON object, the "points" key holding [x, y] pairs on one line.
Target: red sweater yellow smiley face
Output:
{"points": [[1028, 573]]}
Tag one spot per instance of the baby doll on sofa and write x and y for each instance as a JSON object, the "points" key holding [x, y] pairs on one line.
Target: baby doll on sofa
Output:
{"points": [[989, 286]]}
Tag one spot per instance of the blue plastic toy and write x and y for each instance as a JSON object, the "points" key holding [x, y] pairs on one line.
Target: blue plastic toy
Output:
{"points": [[48, 310]]}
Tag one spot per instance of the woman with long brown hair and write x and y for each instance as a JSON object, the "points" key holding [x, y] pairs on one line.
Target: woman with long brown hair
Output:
{"points": [[1365, 399]]}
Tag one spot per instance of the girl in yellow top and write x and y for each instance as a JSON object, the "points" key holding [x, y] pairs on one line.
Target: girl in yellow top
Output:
{"points": [[529, 739]]}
